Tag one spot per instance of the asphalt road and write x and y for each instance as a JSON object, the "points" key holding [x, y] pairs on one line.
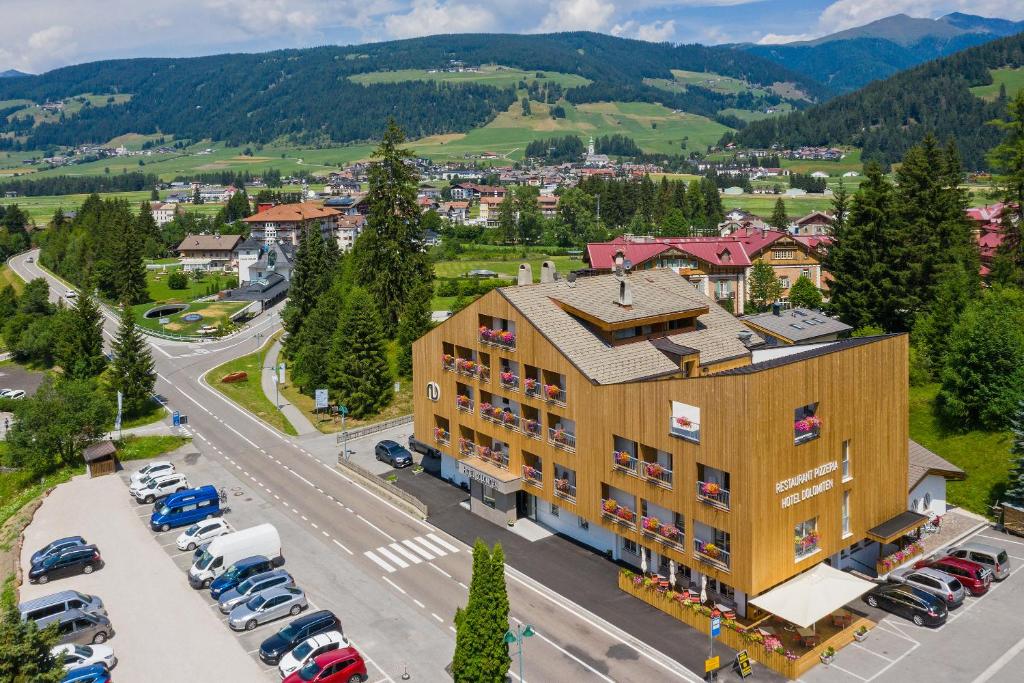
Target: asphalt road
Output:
{"points": [[402, 619]]}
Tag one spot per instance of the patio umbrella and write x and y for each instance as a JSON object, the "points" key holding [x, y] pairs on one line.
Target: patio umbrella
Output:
{"points": [[643, 560], [703, 589], [672, 573]]}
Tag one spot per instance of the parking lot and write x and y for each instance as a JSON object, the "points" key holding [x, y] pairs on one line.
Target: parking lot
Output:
{"points": [[980, 641]]}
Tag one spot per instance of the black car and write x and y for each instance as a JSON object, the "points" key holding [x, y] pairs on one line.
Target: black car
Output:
{"points": [[306, 626], [57, 547], [77, 560], [924, 609], [393, 453]]}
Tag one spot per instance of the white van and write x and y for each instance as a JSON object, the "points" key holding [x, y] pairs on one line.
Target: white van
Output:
{"points": [[225, 550]]}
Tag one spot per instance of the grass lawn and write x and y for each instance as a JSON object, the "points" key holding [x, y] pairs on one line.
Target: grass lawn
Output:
{"points": [[212, 312], [1013, 79], [134, 447], [248, 393], [156, 283], [762, 204], [506, 265], [154, 413], [9, 279], [984, 456]]}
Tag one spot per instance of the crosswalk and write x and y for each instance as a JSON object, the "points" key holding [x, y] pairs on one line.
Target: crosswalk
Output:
{"points": [[409, 552]]}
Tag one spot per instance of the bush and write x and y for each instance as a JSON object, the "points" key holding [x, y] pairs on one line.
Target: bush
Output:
{"points": [[447, 288], [178, 280]]}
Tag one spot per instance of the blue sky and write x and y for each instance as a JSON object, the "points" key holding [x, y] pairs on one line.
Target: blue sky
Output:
{"points": [[38, 35]]}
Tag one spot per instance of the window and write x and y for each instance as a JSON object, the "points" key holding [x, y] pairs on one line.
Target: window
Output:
{"points": [[488, 496], [805, 538], [630, 547], [554, 510], [784, 281], [806, 424], [846, 460], [784, 254], [846, 513], [685, 421]]}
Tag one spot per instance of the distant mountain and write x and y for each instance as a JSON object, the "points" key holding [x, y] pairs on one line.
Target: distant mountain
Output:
{"points": [[13, 73], [850, 59], [887, 117]]}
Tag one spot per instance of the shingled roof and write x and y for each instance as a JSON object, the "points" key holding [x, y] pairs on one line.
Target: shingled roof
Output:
{"points": [[922, 462]]}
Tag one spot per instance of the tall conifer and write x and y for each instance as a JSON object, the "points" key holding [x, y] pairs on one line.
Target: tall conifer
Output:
{"points": [[132, 370], [358, 370]]}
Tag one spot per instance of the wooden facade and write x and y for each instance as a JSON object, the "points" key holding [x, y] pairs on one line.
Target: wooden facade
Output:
{"points": [[746, 429]]}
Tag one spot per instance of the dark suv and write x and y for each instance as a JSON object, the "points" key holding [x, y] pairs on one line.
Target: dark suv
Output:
{"points": [[924, 609], [306, 626], [239, 572], [77, 560], [393, 453]]}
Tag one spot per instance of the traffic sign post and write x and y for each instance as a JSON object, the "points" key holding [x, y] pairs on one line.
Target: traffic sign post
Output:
{"points": [[716, 626], [176, 418], [343, 410]]}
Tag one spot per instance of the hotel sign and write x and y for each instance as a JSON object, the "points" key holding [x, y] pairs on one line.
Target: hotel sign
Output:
{"points": [[802, 478], [467, 470]]}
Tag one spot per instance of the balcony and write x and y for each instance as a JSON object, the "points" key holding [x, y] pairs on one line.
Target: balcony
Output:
{"points": [[624, 462], [685, 428], [467, 367], [467, 447], [500, 338], [807, 429], [501, 416], [669, 534], [448, 362], [711, 554], [533, 476], [620, 514], [508, 381], [499, 458], [464, 403], [565, 490], [554, 394], [442, 436], [531, 387], [530, 427], [559, 438], [713, 494], [656, 473]]}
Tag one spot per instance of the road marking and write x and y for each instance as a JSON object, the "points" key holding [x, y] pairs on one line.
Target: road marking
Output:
{"points": [[405, 553], [382, 532], [421, 605], [380, 563], [1004, 659], [277, 496], [442, 542], [394, 585], [871, 652], [835, 666], [304, 518], [463, 585], [342, 547], [432, 548], [441, 570], [418, 549], [326, 534], [437, 617], [391, 557], [313, 524], [1004, 540]]}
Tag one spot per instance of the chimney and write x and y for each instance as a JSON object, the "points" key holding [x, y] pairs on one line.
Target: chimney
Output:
{"points": [[525, 275], [777, 308], [625, 294], [547, 272], [745, 337]]}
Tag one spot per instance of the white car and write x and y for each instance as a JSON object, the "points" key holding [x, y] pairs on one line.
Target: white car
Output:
{"points": [[310, 648], [200, 533], [151, 488], [15, 394], [151, 470], [70, 294], [76, 656], [4, 392]]}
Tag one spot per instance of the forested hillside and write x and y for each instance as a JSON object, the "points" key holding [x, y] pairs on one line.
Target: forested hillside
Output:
{"points": [[307, 96], [888, 117]]}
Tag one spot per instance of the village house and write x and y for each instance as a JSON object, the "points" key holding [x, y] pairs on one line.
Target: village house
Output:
{"points": [[215, 194], [286, 222], [349, 228], [814, 223], [489, 209], [208, 252], [548, 204], [163, 212], [455, 211]]}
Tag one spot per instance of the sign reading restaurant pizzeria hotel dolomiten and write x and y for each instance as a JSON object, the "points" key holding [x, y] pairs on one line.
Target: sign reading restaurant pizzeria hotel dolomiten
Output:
{"points": [[803, 478]]}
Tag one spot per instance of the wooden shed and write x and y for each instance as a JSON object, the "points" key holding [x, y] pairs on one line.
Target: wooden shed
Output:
{"points": [[101, 458]]}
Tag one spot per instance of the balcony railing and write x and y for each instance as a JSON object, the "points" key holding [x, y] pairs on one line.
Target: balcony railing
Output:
{"points": [[624, 462], [448, 362], [499, 458], [467, 447], [807, 545], [806, 430], [685, 429], [464, 403], [483, 373], [508, 381], [533, 476], [467, 367], [554, 393], [669, 534], [501, 338], [530, 427], [708, 552], [442, 436], [712, 493], [565, 490], [656, 473], [531, 387], [500, 416], [559, 438], [620, 514]]}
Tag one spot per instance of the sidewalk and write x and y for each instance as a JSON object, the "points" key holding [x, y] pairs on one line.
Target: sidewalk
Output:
{"points": [[292, 414]]}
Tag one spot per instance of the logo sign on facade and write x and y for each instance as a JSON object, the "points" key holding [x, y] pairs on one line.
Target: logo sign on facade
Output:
{"points": [[487, 480], [716, 626], [743, 663], [804, 478], [433, 391], [321, 398]]}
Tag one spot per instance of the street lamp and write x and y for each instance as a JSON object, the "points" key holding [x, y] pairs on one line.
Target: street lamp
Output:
{"points": [[522, 631]]}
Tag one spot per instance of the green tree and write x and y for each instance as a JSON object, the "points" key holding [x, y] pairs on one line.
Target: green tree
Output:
{"points": [[132, 371], [468, 634], [414, 323], [803, 293], [481, 653], [357, 365], [148, 232], [1007, 159], [1015, 485], [577, 213], [694, 211], [310, 280], [25, 650], [525, 102], [495, 624], [154, 196], [129, 266], [508, 222], [779, 219], [765, 288], [530, 221], [932, 328], [80, 343]]}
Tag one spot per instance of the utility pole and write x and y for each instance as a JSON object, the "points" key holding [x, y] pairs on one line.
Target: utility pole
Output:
{"points": [[523, 631]]}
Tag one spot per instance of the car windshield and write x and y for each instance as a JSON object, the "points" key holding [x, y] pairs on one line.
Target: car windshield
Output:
{"points": [[191, 531], [309, 672], [232, 573], [165, 510], [245, 586], [1001, 557], [204, 560], [83, 651], [256, 602], [289, 632], [955, 585], [302, 650], [50, 560]]}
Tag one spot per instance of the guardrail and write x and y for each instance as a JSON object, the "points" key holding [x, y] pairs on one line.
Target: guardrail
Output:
{"points": [[372, 429], [412, 504]]}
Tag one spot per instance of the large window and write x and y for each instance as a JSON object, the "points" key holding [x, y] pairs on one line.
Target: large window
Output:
{"points": [[847, 474], [685, 421], [846, 513], [806, 423], [805, 537]]}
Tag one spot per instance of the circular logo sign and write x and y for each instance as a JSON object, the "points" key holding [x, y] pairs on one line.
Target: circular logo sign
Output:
{"points": [[433, 391]]}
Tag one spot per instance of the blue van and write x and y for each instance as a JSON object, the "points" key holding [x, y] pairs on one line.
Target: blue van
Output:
{"points": [[239, 572], [185, 507]]}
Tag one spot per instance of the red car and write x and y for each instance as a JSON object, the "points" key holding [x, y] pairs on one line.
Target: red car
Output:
{"points": [[975, 577], [344, 665]]}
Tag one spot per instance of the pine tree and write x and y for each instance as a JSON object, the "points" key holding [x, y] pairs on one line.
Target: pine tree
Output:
{"points": [[803, 293], [1007, 159], [765, 288], [694, 211], [154, 196], [714, 212], [132, 371], [508, 223], [358, 369], [466, 661], [414, 323], [840, 209], [779, 219], [148, 232], [1015, 486], [496, 658], [930, 337], [129, 266], [80, 344], [25, 650], [311, 278], [530, 222]]}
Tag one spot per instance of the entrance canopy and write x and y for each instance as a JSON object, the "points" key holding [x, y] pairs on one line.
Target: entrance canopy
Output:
{"points": [[891, 529], [491, 475], [813, 595]]}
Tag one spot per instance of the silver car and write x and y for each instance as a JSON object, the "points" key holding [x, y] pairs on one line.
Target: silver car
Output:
{"points": [[257, 583], [987, 556], [84, 628], [938, 583], [267, 606]]}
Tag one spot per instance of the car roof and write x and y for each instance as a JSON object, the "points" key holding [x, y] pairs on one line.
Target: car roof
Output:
{"points": [[157, 463], [309, 618], [84, 672], [387, 443], [932, 572], [917, 592], [334, 655], [63, 540], [266, 575], [251, 560], [983, 547], [280, 590], [59, 596], [959, 562], [326, 637]]}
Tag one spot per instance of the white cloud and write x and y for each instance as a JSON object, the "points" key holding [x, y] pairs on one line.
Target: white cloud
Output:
{"points": [[779, 38], [577, 15], [844, 14], [429, 17], [655, 32]]}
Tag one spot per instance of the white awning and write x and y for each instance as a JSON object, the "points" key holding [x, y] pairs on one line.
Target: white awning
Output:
{"points": [[813, 595]]}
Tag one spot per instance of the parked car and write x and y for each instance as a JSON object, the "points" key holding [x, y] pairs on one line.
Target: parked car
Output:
{"points": [[276, 646], [924, 609], [200, 550], [4, 392], [205, 531], [932, 581], [70, 294], [15, 394], [56, 547], [96, 673], [393, 453], [228, 549], [239, 572], [76, 656], [184, 508], [151, 470], [267, 606], [158, 487], [344, 665], [975, 577], [255, 584], [49, 606], [309, 649], [82, 559], [989, 556], [81, 627]]}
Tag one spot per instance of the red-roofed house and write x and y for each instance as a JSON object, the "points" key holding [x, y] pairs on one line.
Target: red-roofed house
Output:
{"points": [[285, 222]]}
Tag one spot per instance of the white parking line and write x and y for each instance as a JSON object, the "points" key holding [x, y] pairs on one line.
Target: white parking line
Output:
{"points": [[846, 671], [870, 652]]}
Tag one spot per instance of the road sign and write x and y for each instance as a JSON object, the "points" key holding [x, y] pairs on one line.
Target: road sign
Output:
{"points": [[321, 398], [743, 663], [176, 418], [343, 410], [711, 664], [716, 626]]}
